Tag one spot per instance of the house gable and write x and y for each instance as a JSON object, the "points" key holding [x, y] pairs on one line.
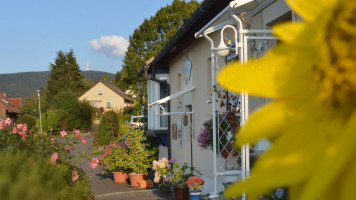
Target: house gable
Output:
{"points": [[106, 96]]}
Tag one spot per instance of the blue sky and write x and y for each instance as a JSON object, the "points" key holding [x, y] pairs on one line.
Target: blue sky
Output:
{"points": [[31, 32]]}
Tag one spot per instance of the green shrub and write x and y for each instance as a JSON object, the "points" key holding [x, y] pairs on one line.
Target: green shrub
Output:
{"points": [[35, 178], [69, 112], [54, 118], [108, 129]]}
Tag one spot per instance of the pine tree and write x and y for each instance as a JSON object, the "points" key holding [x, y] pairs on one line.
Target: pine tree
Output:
{"points": [[65, 75]]}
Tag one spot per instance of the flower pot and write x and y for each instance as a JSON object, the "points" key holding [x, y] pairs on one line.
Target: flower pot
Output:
{"points": [[195, 194], [181, 193], [120, 177], [165, 190], [135, 179]]}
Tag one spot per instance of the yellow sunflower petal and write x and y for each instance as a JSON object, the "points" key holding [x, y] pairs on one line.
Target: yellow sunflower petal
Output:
{"points": [[252, 78], [273, 118], [289, 32], [288, 164], [259, 126], [348, 191], [310, 9], [269, 75], [336, 155]]}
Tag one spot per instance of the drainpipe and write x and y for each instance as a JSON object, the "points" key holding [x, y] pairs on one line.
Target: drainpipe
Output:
{"points": [[212, 54], [153, 78]]}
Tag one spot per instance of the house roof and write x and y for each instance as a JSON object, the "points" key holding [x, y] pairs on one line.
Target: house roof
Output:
{"points": [[114, 89], [185, 35], [16, 101], [117, 90], [11, 108]]}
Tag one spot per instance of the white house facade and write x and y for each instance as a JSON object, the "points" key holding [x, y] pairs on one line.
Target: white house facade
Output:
{"points": [[191, 62]]}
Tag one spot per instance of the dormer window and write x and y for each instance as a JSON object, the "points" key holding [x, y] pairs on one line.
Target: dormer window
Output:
{"points": [[100, 92]]}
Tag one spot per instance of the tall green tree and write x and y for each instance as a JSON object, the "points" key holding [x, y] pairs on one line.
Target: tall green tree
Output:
{"points": [[150, 38], [65, 75]]}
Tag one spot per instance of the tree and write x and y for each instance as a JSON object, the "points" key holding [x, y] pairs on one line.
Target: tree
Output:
{"points": [[150, 38], [106, 78], [65, 75]]}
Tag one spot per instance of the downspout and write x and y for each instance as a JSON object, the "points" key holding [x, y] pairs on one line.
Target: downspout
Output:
{"points": [[213, 111], [153, 78]]}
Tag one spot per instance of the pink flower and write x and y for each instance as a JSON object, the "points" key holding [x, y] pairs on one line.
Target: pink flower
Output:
{"points": [[94, 162], [14, 130], [21, 129], [75, 175], [52, 140], [63, 133], [83, 140], [68, 147], [2, 124], [77, 132], [7, 121], [23, 137], [101, 157], [102, 172], [54, 157]]}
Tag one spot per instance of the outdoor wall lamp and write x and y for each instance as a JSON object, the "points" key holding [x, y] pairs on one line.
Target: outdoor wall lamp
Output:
{"points": [[223, 50]]}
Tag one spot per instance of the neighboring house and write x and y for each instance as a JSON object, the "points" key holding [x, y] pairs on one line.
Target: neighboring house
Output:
{"points": [[106, 96], [187, 66], [7, 109], [16, 101]]}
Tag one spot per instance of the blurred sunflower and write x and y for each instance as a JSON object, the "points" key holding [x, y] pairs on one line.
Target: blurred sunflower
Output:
{"points": [[311, 123]]}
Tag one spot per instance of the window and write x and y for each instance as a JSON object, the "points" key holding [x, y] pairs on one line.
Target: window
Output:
{"points": [[94, 104], [108, 104], [100, 92], [163, 120]]}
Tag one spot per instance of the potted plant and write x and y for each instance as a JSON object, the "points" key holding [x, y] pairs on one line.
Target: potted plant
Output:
{"points": [[178, 178], [139, 154], [116, 160], [195, 185], [162, 168]]}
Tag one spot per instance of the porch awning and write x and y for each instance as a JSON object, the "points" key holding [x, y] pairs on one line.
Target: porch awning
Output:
{"points": [[172, 96]]}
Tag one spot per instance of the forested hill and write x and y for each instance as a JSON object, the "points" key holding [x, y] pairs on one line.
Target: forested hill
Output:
{"points": [[24, 84]]}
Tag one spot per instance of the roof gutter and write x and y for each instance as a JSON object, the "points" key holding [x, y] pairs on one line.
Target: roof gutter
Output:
{"points": [[233, 4]]}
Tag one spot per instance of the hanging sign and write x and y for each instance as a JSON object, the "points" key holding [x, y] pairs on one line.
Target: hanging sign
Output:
{"points": [[185, 120]]}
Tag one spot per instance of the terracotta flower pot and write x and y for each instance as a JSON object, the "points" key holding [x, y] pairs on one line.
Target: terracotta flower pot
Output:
{"points": [[120, 177], [135, 179], [181, 193]]}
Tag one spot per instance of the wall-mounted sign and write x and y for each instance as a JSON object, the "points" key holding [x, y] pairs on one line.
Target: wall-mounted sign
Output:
{"points": [[185, 120], [186, 70]]}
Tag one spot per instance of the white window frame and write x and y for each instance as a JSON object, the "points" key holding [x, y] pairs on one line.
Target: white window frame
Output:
{"points": [[106, 104], [153, 95], [100, 92], [94, 104]]}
